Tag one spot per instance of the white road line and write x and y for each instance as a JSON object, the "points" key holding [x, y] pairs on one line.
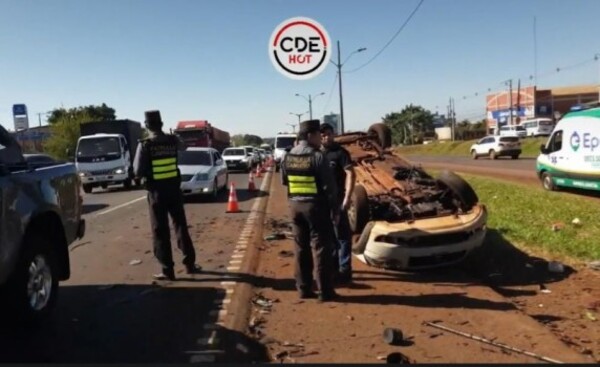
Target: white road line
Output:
{"points": [[229, 291], [219, 313], [233, 268], [237, 256], [228, 283], [222, 301], [235, 262], [120, 206], [241, 246]]}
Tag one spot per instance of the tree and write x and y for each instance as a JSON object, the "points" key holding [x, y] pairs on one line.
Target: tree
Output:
{"points": [[94, 113], [64, 135], [246, 139], [410, 125]]}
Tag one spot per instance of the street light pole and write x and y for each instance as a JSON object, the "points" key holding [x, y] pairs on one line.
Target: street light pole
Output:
{"points": [[299, 115], [310, 100], [293, 127], [339, 71]]}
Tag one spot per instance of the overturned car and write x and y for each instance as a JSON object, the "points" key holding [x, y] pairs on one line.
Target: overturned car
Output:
{"points": [[402, 217]]}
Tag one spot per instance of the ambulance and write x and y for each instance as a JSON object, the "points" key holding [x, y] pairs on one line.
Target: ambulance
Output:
{"points": [[571, 156]]}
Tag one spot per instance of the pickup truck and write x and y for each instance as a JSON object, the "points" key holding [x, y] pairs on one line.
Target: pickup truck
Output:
{"points": [[40, 216], [404, 218]]}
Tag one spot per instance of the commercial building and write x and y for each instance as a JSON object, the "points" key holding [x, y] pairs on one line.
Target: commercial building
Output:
{"points": [[32, 139], [530, 102]]}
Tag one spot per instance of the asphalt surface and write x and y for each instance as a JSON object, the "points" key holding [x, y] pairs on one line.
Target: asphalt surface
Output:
{"points": [[111, 310]]}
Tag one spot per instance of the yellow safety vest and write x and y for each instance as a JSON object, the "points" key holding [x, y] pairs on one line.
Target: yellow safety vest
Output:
{"points": [[300, 175], [163, 159]]}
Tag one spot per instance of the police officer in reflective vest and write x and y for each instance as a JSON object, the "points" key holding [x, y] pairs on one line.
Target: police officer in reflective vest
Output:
{"points": [[156, 161], [313, 200]]}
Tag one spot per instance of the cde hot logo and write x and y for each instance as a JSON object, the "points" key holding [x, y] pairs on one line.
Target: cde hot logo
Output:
{"points": [[299, 47]]}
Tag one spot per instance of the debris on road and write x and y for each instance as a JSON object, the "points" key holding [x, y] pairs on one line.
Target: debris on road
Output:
{"points": [[557, 227], [595, 265], [397, 358], [263, 302], [502, 346], [275, 237], [285, 253], [590, 316], [350, 318], [545, 290], [135, 262], [393, 336]]}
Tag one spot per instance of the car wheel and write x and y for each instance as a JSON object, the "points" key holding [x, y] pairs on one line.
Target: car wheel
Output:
{"points": [[224, 188], [359, 213], [33, 290], [384, 134], [460, 188], [104, 186], [547, 182], [88, 188], [215, 190], [493, 154], [474, 154]]}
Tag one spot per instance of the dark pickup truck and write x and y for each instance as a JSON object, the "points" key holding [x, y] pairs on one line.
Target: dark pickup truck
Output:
{"points": [[40, 216]]}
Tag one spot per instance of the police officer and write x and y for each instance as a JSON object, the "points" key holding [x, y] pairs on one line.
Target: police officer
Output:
{"points": [[313, 200], [156, 161], [343, 171]]}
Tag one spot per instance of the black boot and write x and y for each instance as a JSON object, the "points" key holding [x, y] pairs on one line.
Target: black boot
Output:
{"points": [[193, 269]]}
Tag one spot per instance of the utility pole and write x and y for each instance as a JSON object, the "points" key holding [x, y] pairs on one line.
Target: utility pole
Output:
{"points": [[518, 100], [510, 103], [339, 71], [310, 99]]}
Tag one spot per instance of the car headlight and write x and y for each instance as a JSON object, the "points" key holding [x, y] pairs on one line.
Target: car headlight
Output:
{"points": [[201, 177], [119, 171], [83, 174]]}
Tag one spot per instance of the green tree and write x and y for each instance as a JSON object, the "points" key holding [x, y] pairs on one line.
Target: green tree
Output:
{"points": [[246, 139], [64, 135], [410, 125], [94, 113]]}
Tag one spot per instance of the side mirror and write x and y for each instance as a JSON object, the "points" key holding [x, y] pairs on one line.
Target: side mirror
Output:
{"points": [[219, 162], [543, 149]]}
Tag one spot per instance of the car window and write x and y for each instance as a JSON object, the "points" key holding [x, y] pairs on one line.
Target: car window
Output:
{"points": [[234, 152], [194, 158], [509, 139], [555, 143]]}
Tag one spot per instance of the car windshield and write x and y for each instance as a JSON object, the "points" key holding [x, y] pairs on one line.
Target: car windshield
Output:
{"points": [[194, 158], [545, 123], [509, 139], [520, 128], [98, 147], [234, 152], [285, 142]]}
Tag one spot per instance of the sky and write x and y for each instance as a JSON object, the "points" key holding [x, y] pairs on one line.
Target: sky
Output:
{"points": [[201, 59]]}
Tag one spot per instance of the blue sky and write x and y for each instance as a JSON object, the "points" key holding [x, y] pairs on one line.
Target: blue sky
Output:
{"points": [[200, 59]]}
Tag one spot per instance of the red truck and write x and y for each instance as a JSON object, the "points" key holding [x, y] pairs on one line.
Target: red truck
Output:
{"points": [[200, 133]]}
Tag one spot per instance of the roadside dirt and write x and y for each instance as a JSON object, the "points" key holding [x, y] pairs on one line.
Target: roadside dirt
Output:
{"points": [[473, 298]]}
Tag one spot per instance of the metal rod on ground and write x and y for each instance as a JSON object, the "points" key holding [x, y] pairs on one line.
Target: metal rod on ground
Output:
{"points": [[499, 345]]}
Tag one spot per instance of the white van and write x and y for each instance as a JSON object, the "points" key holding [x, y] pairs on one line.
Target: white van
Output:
{"points": [[571, 157], [513, 130], [538, 127]]}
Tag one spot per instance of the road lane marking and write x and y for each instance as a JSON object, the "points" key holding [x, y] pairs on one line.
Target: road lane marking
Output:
{"points": [[235, 262], [225, 301], [233, 268], [237, 256], [120, 206], [228, 283]]}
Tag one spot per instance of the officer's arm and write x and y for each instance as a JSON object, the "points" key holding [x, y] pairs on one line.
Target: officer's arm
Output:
{"points": [[140, 162], [350, 175], [327, 180], [284, 180]]}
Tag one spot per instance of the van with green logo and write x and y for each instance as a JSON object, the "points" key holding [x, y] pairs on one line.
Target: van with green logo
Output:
{"points": [[571, 156]]}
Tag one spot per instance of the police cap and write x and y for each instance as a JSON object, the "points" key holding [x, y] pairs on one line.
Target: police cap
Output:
{"points": [[310, 126], [153, 118]]}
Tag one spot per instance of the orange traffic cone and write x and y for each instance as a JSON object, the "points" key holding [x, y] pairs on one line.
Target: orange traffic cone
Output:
{"points": [[251, 186], [232, 205], [258, 174]]}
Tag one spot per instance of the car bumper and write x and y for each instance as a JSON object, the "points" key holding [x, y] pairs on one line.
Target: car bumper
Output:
{"points": [[237, 165], [197, 188], [509, 152], [104, 179], [425, 243]]}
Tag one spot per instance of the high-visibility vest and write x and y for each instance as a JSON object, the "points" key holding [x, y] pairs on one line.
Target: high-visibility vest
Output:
{"points": [[301, 175], [163, 160]]}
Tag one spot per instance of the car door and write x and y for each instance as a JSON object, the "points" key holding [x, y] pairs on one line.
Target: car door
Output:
{"points": [[554, 153], [218, 167], [481, 146]]}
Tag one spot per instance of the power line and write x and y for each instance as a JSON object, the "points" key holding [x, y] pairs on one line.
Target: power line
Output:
{"points": [[391, 40], [330, 94]]}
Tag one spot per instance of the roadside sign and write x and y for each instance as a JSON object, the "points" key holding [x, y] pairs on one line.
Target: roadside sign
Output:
{"points": [[21, 123], [19, 110]]}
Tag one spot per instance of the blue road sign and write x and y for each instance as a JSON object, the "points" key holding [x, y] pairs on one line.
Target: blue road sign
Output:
{"points": [[19, 110]]}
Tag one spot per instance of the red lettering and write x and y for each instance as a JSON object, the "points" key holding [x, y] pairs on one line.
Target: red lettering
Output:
{"points": [[292, 59]]}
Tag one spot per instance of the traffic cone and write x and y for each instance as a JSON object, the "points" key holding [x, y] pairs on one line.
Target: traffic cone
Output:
{"points": [[251, 186], [258, 174], [232, 205], [262, 168]]}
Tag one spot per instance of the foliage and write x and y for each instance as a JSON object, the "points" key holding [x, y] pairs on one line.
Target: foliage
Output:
{"points": [[64, 134], [246, 139], [410, 125], [94, 113]]}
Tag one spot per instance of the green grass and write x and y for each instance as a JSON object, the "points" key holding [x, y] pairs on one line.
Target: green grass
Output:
{"points": [[530, 147], [524, 215]]}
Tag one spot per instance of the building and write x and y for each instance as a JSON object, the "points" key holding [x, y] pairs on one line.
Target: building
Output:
{"points": [[333, 120], [530, 102], [32, 140]]}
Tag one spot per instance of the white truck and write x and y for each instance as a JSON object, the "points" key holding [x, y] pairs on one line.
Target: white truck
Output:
{"points": [[105, 153], [283, 141]]}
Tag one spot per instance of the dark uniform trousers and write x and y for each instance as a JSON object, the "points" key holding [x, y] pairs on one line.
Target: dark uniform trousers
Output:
{"points": [[312, 232], [165, 199]]}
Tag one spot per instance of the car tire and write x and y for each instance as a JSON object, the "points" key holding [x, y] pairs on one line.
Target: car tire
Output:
{"points": [[224, 188], [215, 192], [104, 186], [474, 154], [547, 182], [460, 188], [127, 184], [384, 134], [87, 188], [138, 182], [493, 154], [359, 211], [37, 268]]}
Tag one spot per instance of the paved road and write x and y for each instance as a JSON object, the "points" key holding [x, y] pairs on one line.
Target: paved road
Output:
{"points": [[111, 311]]}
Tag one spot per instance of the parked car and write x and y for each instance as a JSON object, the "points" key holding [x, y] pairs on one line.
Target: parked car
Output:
{"points": [[513, 130], [40, 216], [253, 154], [203, 172], [495, 146], [405, 218], [237, 159], [538, 127]]}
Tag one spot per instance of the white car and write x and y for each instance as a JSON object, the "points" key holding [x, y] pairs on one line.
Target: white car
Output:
{"points": [[494, 146], [513, 130], [238, 159], [203, 172]]}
